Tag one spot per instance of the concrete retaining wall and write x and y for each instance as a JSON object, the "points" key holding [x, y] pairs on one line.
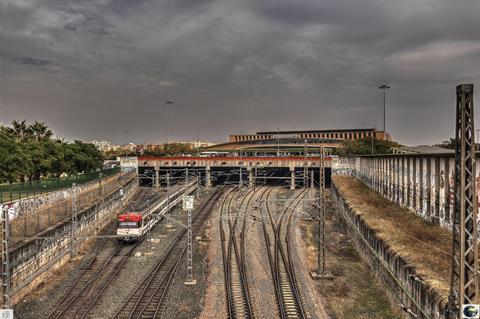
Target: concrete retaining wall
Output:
{"points": [[422, 183], [31, 204], [32, 260], [399, 279]]}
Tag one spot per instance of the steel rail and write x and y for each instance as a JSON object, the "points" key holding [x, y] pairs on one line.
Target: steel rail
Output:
{"points": [[152, 291], [234, 260], [73, 299], [282, 261]]}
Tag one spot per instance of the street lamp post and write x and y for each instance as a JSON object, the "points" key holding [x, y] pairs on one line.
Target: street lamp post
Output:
{"points": [[384, 87], [278, 142], [126, 142], [168, 119]]}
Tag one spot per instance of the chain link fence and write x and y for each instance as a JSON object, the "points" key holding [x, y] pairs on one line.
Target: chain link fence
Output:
{"points": [[12, 192]]}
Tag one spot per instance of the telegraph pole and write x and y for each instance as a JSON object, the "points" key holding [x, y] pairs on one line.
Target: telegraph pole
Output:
{"points": [[168, 193], [7, 302], [305, 169], [188, 206], [384, 87], [464, 275], [240, 178], [74, 220], [321, 272], [199, 178]]}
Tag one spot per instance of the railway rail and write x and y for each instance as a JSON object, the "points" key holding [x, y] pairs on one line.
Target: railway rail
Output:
{"points": [[233, 254], [98, 272], [149, 298], [287, 291]]}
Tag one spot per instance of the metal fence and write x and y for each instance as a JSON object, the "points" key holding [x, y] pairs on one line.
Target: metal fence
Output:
{"points": [[12, 192]]}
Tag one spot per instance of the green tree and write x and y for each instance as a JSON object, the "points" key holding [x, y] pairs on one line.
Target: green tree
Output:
{"points": [[39, 131], [363, 146], [449, 144], [14, 162], [21, 130], [28, 151]]}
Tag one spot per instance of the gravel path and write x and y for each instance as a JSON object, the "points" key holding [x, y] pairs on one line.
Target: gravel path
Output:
{"points": [[312, 300], [259, 274], [215, 306]]}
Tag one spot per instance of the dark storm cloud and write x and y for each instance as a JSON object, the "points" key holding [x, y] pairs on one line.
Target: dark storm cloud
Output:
{"points": [[236, 66], [32, 61]]}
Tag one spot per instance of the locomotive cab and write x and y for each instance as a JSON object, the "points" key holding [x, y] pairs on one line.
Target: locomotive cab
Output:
{"points": [[130, 226]]}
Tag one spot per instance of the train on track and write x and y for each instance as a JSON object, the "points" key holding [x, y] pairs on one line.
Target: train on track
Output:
{"points": [[135, 224]]}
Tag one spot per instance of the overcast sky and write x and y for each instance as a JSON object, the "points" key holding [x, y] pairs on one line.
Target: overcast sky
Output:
{"points": [[94, 69]]}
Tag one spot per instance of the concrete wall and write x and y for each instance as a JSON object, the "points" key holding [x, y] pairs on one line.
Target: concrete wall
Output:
{"points": [[397, 277], [32, 261], [33, 203], [423, 184]]}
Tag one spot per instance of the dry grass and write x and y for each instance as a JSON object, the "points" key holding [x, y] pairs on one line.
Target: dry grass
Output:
{"points": [[354, 292], [425, 246]]}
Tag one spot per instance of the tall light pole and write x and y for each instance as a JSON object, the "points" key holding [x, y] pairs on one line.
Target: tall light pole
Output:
{"points": [[126, 142], [278, 142], [384, 87], [169, 103]]}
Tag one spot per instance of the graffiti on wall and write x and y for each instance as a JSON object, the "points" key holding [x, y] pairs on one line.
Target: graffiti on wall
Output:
{"points": [[343, 166]]}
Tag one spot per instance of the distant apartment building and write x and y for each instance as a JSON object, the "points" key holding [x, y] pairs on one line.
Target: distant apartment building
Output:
{"points": [[105, 146]]}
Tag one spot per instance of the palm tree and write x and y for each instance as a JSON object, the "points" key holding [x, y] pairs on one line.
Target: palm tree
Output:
{"points": [[40, 131], [20, 129]]}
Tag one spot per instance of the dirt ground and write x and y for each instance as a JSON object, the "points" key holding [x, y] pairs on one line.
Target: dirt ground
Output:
{"points": [[353, 293], [418, 241]]}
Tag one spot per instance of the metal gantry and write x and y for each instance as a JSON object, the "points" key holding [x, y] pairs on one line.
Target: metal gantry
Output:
{"points": [[464, 275]]}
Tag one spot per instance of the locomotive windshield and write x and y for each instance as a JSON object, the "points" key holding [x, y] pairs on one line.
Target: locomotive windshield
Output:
{"points": [[129, 224]]}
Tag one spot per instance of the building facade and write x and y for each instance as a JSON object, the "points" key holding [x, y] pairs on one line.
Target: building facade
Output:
{"points": [[297, 139]]}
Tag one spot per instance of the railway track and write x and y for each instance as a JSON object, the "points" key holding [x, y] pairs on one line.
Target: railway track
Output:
{"points": [[84, 292], [233, 254], [149, 298], [99, 271], [279, 255]]}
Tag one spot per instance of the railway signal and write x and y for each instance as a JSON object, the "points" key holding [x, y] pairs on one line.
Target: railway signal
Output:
{"points": [[187, 205]]}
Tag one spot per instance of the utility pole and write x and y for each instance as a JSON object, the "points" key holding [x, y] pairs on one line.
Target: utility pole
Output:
{"points": [[7, 302], [169, 103], [190, 249], [278, 142], [384, 87], [199, 178], [74, 220], [126, 142], [321, 272], [240, 179], [168, 193], [464, 275], [372, 137], [188, 206], [305, 169]]}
